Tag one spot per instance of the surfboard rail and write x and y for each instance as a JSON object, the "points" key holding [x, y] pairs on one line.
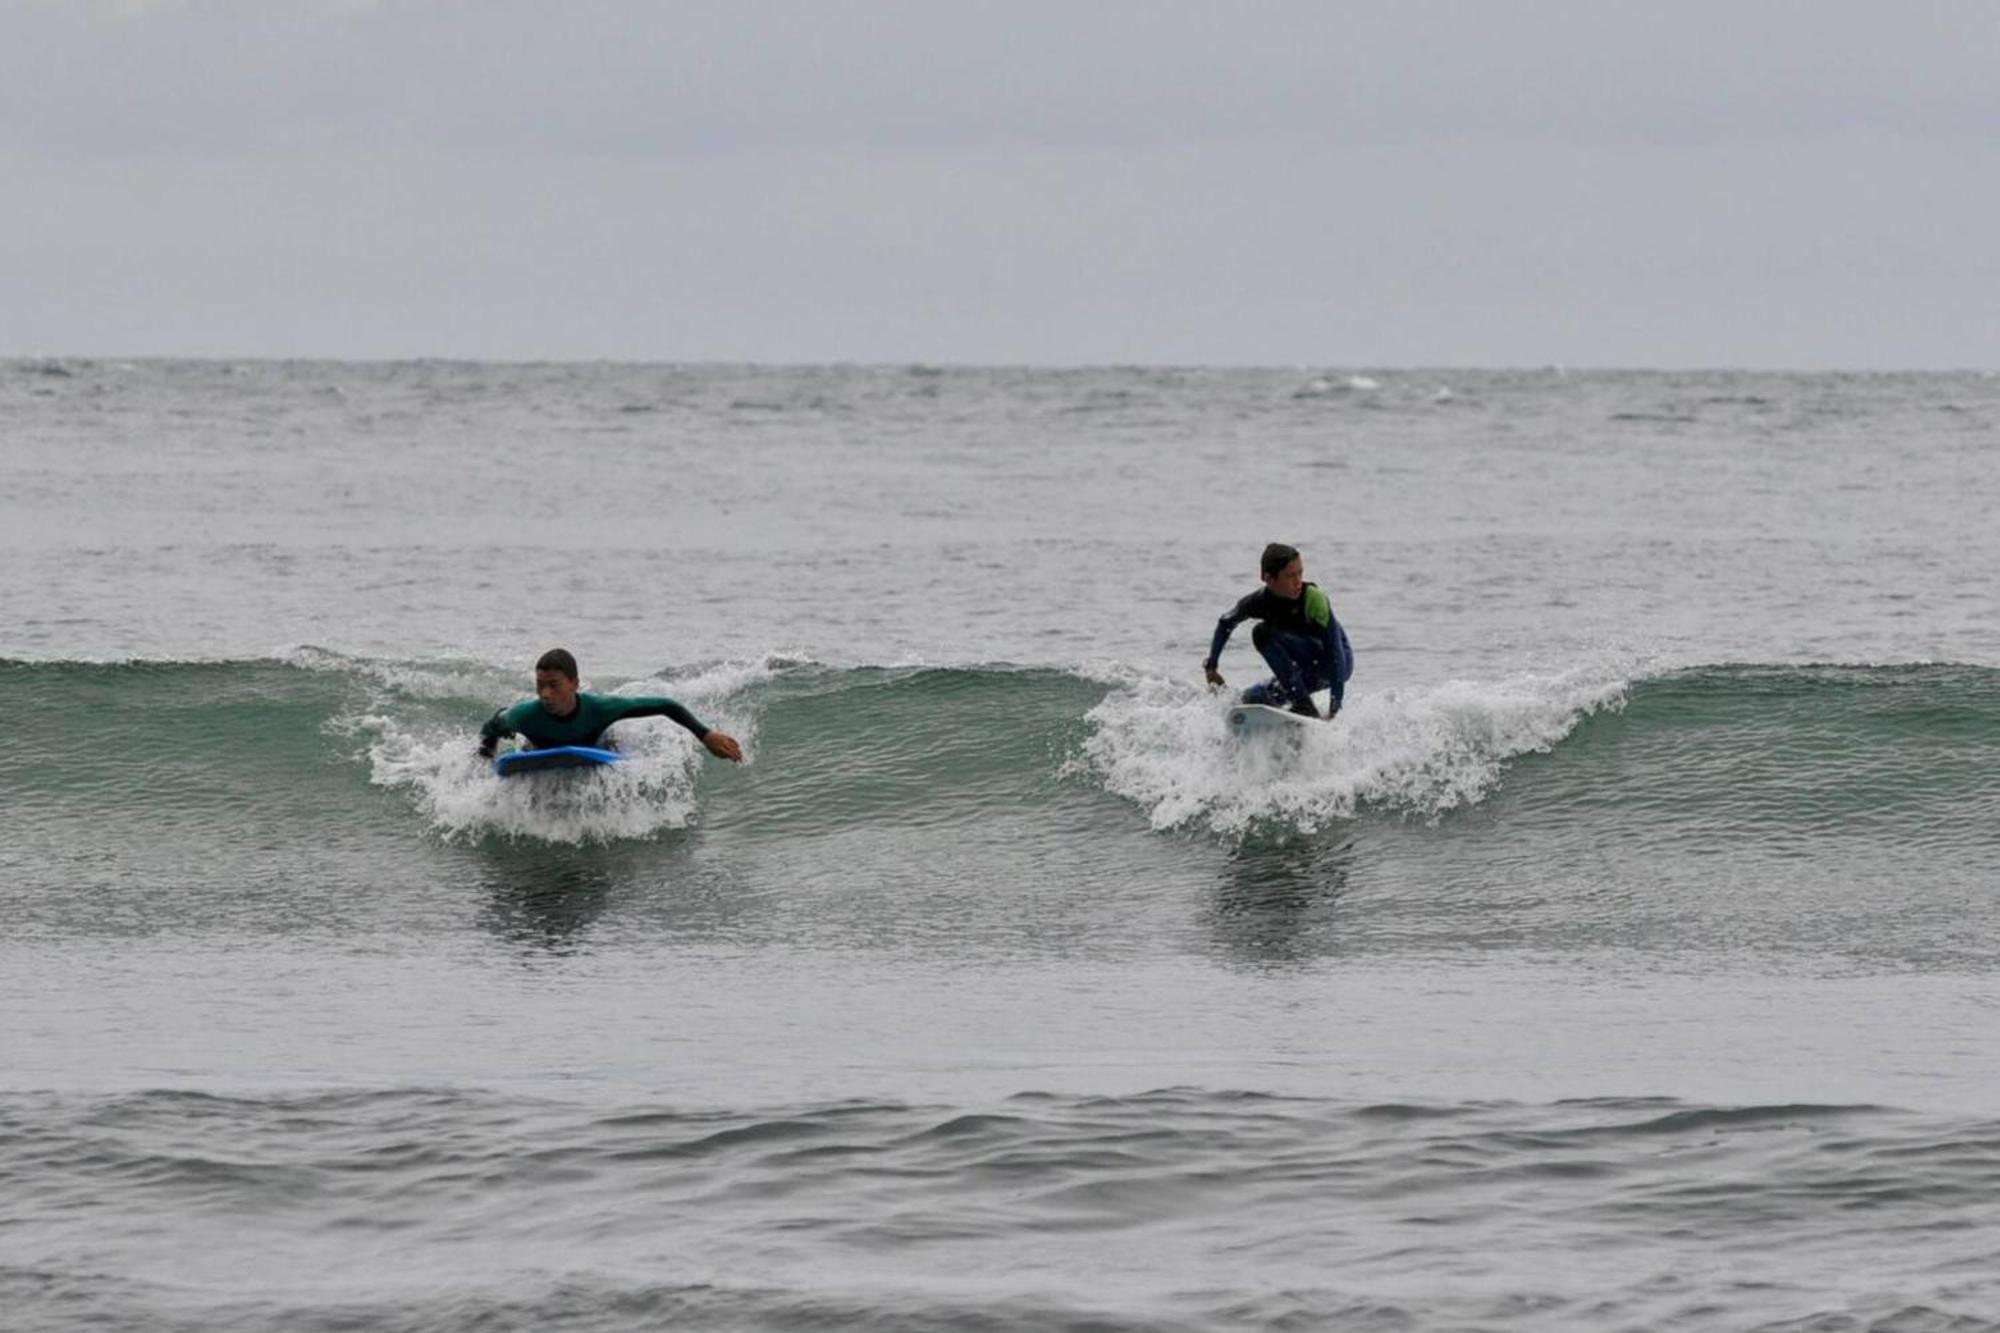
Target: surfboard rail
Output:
{"points": [[553, 757]]}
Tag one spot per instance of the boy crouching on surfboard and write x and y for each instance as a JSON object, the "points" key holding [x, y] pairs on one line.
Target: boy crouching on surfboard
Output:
{"points": [[561, 714], [1296, 633]]}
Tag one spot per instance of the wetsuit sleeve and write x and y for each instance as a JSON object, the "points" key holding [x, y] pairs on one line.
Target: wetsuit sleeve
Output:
{"points": [[490, 734], [658, 707], [1225, 627]]}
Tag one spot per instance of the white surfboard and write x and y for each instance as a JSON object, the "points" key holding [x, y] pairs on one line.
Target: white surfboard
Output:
{"points": [[1246, 720]]}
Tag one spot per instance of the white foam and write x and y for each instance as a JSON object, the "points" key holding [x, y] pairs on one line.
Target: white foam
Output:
{"points": [[714, 684], [1165, 745], [651, 791], [418, 680], [1323, 387]]}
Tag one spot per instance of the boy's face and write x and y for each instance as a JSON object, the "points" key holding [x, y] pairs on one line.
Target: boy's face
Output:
{"points": [[1289, 582], [556, 691]]}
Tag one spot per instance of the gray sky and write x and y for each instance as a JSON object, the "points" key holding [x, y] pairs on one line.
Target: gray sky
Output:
{"points": [[1669, 184]]}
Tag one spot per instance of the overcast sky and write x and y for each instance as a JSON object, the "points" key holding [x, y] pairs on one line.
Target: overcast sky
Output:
{"points": [[1515, 184]]}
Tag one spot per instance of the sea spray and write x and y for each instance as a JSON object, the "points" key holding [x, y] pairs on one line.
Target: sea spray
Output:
{"points": [[1165, 745], [651, 791]]}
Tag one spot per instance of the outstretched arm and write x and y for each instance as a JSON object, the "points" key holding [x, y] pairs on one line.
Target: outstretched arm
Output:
{"points": [[718, 743], [1224, 627]]}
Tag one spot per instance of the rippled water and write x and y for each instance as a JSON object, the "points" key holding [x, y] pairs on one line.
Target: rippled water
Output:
{"points": [[1038, 1211], [1622, 957]]}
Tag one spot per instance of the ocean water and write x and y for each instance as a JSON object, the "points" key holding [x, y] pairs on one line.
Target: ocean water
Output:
{"points": [[1626, 955]]}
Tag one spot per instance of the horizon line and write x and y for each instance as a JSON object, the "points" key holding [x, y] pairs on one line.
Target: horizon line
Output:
{"points": [[32, 359]]}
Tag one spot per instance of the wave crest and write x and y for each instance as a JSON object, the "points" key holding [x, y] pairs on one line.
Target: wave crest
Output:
{"points": [[651, 792], [1166, 746]]}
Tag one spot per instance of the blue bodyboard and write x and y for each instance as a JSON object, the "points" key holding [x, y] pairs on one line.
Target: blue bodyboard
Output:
{"points": [[555, 756]]}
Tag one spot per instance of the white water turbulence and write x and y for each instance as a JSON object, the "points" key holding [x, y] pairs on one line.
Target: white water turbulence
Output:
{"points": [[1417, 751], [649, 791]]}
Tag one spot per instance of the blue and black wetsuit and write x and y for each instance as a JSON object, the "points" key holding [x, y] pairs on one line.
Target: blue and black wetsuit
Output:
{"points": [[1301, 640]]}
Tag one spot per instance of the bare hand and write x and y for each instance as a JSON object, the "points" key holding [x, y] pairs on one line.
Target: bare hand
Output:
{"points": [[723, 746], [1215, 680]]}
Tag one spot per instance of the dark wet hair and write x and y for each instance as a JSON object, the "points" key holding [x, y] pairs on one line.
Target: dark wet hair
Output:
{"points": [[1276, 556], [557, 659]]}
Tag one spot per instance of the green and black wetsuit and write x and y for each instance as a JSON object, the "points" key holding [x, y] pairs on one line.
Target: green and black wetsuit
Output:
{"points": [[594, 712], [1301, 639]]}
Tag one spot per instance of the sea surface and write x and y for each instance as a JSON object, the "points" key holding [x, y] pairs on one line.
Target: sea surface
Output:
{"points": [[1625, 956]]}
